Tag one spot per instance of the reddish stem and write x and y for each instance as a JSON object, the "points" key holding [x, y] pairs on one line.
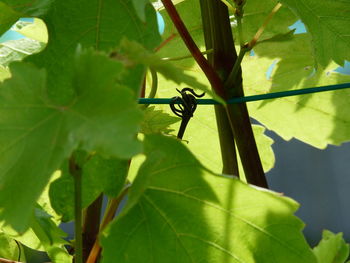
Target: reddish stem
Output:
{"points": [[208, 70]]}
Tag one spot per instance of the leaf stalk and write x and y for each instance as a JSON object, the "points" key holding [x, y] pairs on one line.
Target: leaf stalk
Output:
{"points": [[76, 172]]}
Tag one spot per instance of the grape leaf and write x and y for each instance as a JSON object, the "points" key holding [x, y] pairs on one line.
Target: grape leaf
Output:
{"points": [[101, 116], [98, 175], [40, 223], [36, 30], [4, 73], [44, 199], [332, 248], [256, 12], [157, 121], [178, 211], [328, 23], [50, 236], [139, 6], [92, 23], [8, 247], [202, 135], [135, 53], [318, 119], [12, 10]]}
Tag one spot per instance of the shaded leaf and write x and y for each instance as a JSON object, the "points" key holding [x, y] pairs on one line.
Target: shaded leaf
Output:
{"points": [[50, 237], [98, 175], [139, 6], [12, 10], [181, 212]]}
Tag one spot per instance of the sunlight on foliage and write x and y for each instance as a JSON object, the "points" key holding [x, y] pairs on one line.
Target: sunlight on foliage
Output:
{"points": [[179, 211]]}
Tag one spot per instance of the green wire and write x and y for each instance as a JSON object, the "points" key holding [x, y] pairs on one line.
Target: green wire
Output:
{"points": [[267, 96]]}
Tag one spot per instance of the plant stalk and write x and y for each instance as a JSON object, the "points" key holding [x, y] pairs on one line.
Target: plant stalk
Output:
{"points": [[76, 172], [258, 34], [218, 35], [91, 226], [220, 63], [4, 260], [108, 217], [208, 70]]}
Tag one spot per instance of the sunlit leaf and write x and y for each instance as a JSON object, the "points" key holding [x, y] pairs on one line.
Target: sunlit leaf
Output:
{"points": [[328, 23], [91, 23], [180, 212], [332, 248], [157, 121], [8, 247], [30, 120], [318, 119]]}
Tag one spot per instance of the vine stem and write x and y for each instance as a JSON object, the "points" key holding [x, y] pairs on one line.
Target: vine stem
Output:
{"points": [[245, 48], [236, 67], [208, 70], [4, 260], [154, 86], [229, 6], [109, 215], [76, 172], [258, 34], [235, 117], [91, 222]]}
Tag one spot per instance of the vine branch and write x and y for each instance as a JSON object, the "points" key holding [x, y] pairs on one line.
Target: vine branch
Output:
{"points": [[76, 172], [109, 215], [208, 70], [258, 34], [4, 260]]}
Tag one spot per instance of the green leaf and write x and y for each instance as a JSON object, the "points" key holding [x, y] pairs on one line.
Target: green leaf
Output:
{"points": [[98, 175], [255, 13], [157, 121], [328, 23], [12, 10], [36, 30], [135, 53], [37, 134], [50, 237], [108, 174], [318, 119], [180, 212], [8, 247], [279, 37], [139, 6], [202, 135], [4, 73], [44, 199], [32, 237], [91, 23], [332, 248]]}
